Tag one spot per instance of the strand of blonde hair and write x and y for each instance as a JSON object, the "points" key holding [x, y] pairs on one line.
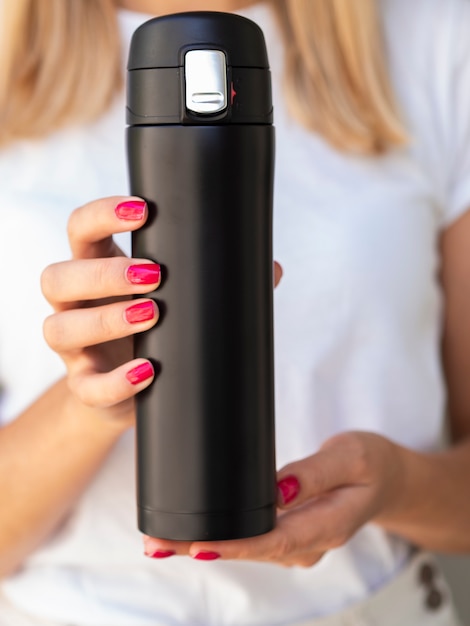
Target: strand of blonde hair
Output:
{"points": [[337, 81], [60, 64]]}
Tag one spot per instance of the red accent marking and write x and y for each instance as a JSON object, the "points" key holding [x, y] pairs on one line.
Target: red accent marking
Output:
{"points": [[233, 94]]}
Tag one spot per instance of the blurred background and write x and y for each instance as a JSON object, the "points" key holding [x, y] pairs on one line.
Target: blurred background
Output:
{"points": [[457, 572]]}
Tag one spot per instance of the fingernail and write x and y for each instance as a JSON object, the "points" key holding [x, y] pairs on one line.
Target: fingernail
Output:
{"points": [[145, 274], [206, 556], [161, 554], [289, 488], [141, 312], [131, 210], [140, 373]]}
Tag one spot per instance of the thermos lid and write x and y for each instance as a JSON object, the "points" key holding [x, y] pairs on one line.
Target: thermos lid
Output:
{"points": [[163, 41], [198, 68]]}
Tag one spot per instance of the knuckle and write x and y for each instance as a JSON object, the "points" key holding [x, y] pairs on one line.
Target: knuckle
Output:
{"points": [[75, 385], [360, 456], [73, 224], [107, 271], [282, 548], [80, 389], [357, 450], [53, 333], [49, 282], [92, 391], [104, 326], [100, 274]]}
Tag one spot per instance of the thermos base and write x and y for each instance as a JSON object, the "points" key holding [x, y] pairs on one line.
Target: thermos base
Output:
{"points": [[207, 527]]}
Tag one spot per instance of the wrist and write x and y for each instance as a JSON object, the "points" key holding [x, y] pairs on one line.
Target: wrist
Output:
{"points": [[417, 496], [401, 496]]}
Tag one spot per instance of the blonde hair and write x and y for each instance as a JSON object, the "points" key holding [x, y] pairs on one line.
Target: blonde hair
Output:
{"points": [[336, 75], [61, 64]]}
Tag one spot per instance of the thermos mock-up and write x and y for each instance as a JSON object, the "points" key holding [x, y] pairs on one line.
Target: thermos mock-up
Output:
{"points": [[201, 153]]}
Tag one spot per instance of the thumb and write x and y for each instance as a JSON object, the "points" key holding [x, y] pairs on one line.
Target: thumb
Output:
{"points": [[277, 273]]}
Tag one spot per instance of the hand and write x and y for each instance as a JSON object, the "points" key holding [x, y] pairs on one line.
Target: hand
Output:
{"points": [[323, 500], [94, 320]]}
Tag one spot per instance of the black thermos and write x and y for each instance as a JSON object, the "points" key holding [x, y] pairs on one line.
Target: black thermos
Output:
{"points": [[201, 152]]}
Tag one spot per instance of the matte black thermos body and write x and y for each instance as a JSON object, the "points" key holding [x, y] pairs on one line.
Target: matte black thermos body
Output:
{"points": [[201, 152]]}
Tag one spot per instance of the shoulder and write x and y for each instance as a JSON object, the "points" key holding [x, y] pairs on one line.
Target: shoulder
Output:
{"points": [[428, 51], [427, 12], [426, 30]]}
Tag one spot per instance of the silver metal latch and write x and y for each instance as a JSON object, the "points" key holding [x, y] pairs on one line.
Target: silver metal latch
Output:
{"points": [[206, 81]]}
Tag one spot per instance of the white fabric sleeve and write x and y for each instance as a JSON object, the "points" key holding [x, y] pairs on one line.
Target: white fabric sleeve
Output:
{"points": [[457, 191]]}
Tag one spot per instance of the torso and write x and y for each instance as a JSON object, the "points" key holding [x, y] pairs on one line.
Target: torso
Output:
{"points": [[357, 322]]}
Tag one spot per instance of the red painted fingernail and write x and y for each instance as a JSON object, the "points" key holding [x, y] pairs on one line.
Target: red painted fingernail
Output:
{"points": [[162, 554], [131, 210], [289, 488], [141, 312], [140, 373], [145, 274], [206, 556]]}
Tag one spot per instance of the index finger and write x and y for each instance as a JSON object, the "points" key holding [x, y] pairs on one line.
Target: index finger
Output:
{"points": [[91, 227], [293, 534]]}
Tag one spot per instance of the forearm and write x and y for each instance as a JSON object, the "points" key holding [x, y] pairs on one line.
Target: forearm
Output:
{"points": [[432, 509], [48, 455]]}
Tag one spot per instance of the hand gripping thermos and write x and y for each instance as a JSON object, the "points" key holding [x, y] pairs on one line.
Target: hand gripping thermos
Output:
{"points": [[201, 152]]}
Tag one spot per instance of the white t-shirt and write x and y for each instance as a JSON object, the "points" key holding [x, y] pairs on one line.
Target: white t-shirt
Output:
{"points": [[357, 327]]}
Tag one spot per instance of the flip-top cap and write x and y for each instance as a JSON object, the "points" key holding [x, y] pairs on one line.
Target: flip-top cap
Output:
{"points": [[163, 41], [199, 68]]}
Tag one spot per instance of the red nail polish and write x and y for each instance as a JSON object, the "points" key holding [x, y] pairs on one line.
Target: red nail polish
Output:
{"points": [[145, 274], [206, 556], [162, 554], [140, 373], [141, 312], [289, 488], [131, 210]]}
